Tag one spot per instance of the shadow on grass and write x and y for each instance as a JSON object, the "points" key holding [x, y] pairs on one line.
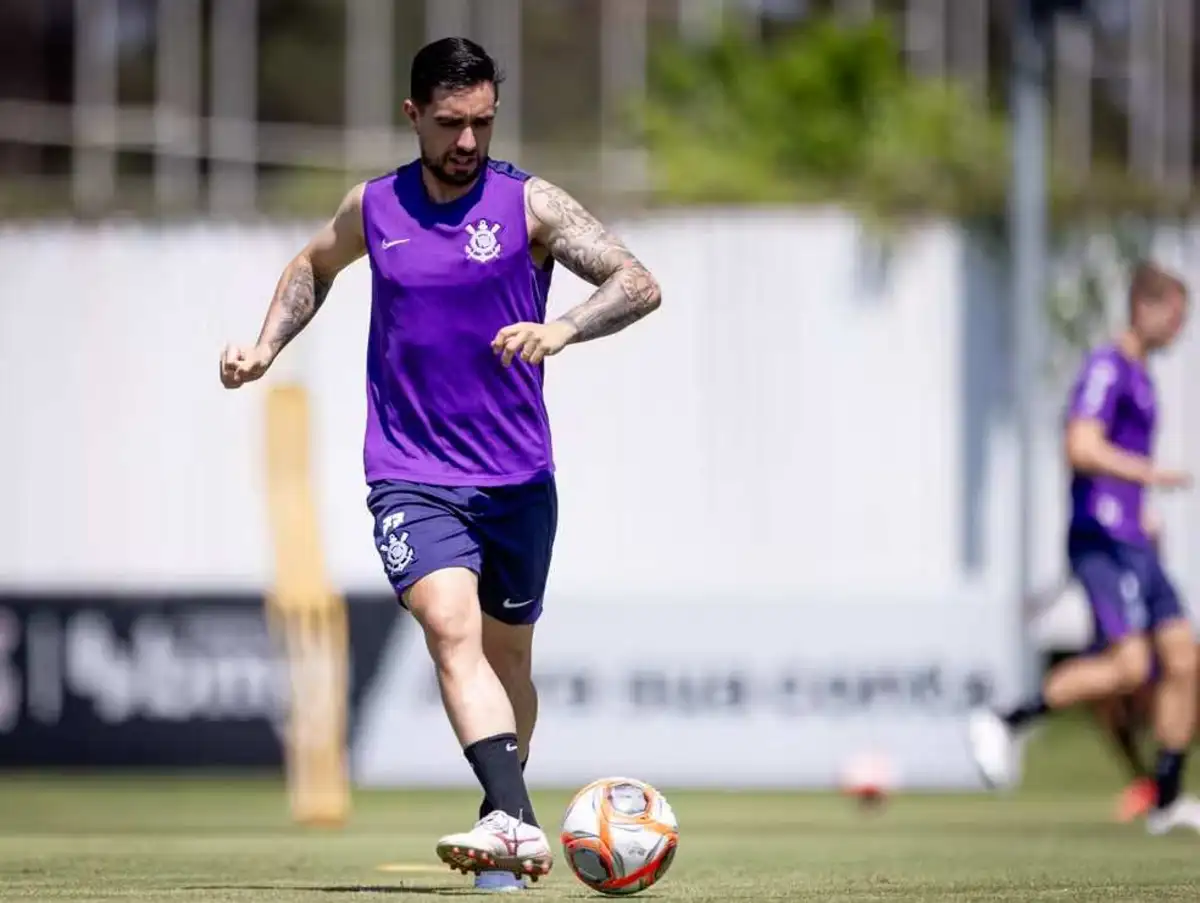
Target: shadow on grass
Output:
{"points": [[380, 889]]}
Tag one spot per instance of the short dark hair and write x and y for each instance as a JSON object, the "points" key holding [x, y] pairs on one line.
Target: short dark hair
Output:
{"points": [[1152, 282], [451, 64]]}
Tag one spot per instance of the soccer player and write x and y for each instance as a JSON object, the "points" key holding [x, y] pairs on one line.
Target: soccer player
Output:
{"points": [[1135, 609], [457, 449]]}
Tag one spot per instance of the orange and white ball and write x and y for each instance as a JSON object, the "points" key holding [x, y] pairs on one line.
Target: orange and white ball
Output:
{"points": [[619, 835]]}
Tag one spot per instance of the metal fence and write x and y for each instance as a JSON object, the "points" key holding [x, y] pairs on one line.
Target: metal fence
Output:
{"points": [[165, 107]]}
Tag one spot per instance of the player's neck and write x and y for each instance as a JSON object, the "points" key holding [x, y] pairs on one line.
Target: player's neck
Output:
{"points": [[1132, 346], [441, 193]]}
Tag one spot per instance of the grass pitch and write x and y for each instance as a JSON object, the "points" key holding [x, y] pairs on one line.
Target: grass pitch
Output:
{"points": [[147, 838]]}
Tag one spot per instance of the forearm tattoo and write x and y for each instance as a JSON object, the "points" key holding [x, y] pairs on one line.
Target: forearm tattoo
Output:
{"points": [[626, 291], [298, 297]]}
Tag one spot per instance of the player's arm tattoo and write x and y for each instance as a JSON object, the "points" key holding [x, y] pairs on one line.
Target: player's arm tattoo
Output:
{"points": [[298, 297], [625, 290], [306, 281]]}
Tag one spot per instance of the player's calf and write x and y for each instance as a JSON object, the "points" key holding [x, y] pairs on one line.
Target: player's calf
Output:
{"points": [[509, 650], [1176, 707], [1176, 690], [1117, 671]]}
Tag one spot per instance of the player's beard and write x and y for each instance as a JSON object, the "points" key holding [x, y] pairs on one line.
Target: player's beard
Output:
{"points": [[440, 172]]}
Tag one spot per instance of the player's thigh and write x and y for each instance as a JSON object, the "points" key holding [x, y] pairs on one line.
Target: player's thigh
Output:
{"points": [[445, 602], [419, 532], [517, 535], [1114, 592]]}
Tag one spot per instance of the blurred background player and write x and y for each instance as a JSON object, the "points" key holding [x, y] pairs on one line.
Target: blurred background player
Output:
{"points": [[1136, 611], [458, 452]]}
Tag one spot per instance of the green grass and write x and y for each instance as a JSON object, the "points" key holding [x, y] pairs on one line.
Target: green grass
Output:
{"points": [[164, 838]]}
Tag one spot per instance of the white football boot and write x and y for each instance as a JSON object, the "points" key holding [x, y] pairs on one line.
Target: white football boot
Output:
{"points": [[1183, 813], [996, 747], [498, 842]]}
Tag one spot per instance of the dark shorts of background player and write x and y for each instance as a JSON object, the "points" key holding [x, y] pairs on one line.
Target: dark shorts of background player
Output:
{"points": [[505, 534], [1127, 589]]}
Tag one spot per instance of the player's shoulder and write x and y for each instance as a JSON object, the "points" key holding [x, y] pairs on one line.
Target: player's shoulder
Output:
{"points": [[385, 179], [1104, 361], [1102, 377], [532, 186], [375, 190], [507, 170]]}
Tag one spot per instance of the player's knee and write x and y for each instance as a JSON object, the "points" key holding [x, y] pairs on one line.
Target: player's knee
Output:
{"points": [[449, 626], [448, 613], [1131, 666]]}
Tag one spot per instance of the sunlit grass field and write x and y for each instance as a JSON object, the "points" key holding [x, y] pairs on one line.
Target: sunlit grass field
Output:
{"points": [[143, 837]]}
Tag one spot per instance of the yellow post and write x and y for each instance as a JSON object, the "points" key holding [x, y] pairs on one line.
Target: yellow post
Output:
{"points": [[309, 617]]}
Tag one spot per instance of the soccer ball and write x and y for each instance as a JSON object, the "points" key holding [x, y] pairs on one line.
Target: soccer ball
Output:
{"points": [[619, 835]]}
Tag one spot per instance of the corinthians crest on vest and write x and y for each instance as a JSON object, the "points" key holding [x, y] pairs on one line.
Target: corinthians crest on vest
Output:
{"points": [[484, 245]]}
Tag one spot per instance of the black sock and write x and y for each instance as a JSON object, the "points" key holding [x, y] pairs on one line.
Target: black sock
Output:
{"points": [[1168, 772], [498, 769], [1025, 713], [486, 806]]}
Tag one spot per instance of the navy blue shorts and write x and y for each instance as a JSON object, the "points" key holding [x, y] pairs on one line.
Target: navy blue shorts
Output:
{"points": [[1127, 589], [505, 534]]}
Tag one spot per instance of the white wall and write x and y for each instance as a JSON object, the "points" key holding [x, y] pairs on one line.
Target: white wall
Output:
{"points": [[798, 418]]}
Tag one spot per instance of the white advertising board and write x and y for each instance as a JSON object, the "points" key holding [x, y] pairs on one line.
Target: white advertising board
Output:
{"points": [[721, 693]]}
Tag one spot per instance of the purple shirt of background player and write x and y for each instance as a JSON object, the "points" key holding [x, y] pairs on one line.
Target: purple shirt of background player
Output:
{"points": [[1118, 392]]}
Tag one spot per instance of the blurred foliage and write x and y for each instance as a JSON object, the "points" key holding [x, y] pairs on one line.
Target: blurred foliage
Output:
{"points": [[825, 111], [828, 111]]}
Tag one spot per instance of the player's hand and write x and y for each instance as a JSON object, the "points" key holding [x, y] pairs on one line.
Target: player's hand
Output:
{"points": [[1171, 479], [532, 342], [243, 365]]}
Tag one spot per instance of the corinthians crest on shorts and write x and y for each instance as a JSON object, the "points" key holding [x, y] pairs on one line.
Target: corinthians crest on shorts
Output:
{"points": [[397, 553], [484, 245]]}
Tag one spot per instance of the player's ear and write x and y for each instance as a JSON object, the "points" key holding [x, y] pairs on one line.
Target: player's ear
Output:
{"points": [[411, 111]]}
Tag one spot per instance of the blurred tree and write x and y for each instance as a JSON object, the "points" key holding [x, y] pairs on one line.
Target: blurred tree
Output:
{"points": [[828, 111], [825, 111]]}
